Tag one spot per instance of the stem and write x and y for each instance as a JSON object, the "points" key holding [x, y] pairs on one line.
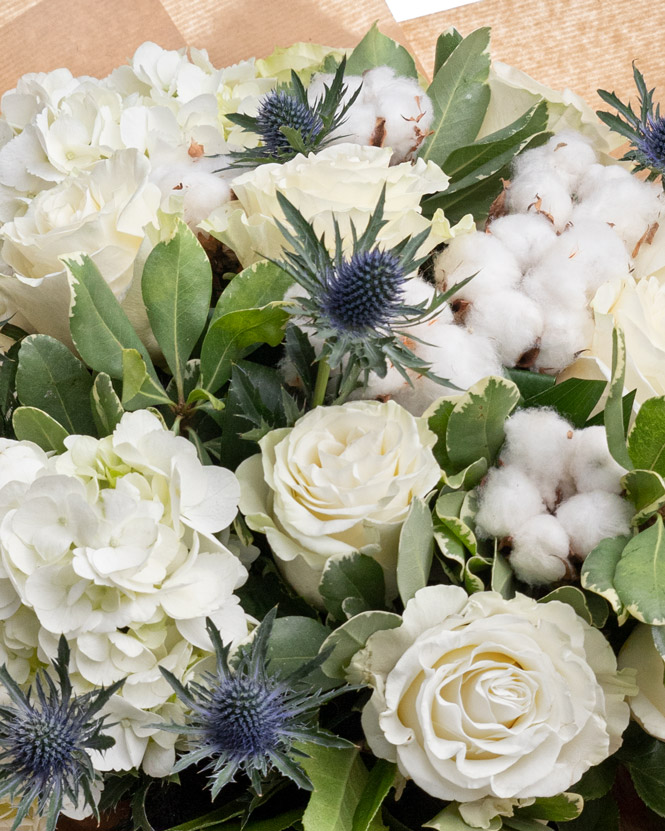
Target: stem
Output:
{"points": [[322, 375]]}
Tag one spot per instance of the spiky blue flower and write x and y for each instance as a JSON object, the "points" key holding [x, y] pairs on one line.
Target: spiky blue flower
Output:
{"points": [[652, 143], [645, 130], [364, 291], [280, 108], [44, 741], [289, 123], [245, 718]]}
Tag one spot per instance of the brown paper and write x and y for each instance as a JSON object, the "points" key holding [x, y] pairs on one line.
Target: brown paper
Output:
{"points": [[581, 44]]}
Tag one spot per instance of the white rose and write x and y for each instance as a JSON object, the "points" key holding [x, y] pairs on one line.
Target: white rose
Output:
{"points": [[341, 480], [342, 182], [638, 308], [485, 697], [32, 822], [102, 212], [648, 705]]}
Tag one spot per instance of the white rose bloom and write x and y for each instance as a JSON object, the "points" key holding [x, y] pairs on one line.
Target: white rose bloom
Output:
{"points": [[638, 308], [341, 480], [342, 182], [485, 697], [32, 822], [102, 212], [648, 706]]}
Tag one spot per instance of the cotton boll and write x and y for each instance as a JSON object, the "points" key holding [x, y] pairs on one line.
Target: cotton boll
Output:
{"points": [[566, 333], [543, 192], [527, 236], [556, 282], [540, 551], [592, 467], [201, 191], [590, 517], [568, 154], [538, 442], [595, 251], [494, 266], [612, 194], [458, 356], [507, 500], [511, 321], [416, 293]]}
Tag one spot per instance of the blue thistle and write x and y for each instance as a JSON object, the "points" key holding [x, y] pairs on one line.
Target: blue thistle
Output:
{"points": [[44, 739], [246, 719], [645, 131], [365, 291], [288, 123], [281, 109]]}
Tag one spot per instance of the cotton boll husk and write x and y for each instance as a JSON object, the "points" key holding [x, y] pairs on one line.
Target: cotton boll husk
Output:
{"points": [[595, 251], [612, 194], [590, 517], [494, 266], [592, 467], [566, 334], [539, 443], [527, 236], [507, 500], [541, 192], [540, 551], [511, 321]]}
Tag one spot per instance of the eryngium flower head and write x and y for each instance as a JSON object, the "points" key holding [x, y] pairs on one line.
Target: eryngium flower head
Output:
{"points": [[246, 718], [365, 291], [280, 108], [645, 131], [288, 123], [44, 739]]}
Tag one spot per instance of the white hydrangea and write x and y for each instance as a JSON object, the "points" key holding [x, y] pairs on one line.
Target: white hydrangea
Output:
{"points": [[114, 544]]}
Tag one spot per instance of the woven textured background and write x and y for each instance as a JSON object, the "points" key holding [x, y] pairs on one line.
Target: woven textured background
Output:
{"points": [[582, 44]]}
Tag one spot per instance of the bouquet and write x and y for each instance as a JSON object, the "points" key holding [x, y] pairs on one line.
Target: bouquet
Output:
{"points": [[332, 468]]}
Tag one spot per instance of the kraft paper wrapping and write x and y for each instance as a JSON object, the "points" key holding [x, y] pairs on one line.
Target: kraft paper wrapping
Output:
{"points": [[582, 44]]}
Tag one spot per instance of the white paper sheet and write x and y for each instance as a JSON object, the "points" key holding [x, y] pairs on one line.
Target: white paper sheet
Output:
{"points": [[408, 9]]}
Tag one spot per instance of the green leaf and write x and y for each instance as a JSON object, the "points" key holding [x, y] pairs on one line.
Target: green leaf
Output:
{"points": [[351, 636], [139, 389], [256, 286], [339, 778], [518, 824], [197, 394], [460, 96], [502, 577], [598, 815], [100, 329], [530, 383], [450, 820], [561, 808], [446, 44], [31, 424], [294, 640], [176, 287], [51, 379], [614, 423], [598, 572], [573, 399], [646, 490], [379, 782], [590, 607], [469, 477], [438, 424], [106, 407], [487, 156], [354, 575], [376, 49], [658, 636], [648, 775], [416, 549], [475, 427], [639, 578], [597, 781], [232, 337], [646, 441]]}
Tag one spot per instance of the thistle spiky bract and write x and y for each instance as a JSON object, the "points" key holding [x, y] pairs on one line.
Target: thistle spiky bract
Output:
{"points": [[355, 303], [44, 739], [645, 130], [244, 718], [288, 123]]}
